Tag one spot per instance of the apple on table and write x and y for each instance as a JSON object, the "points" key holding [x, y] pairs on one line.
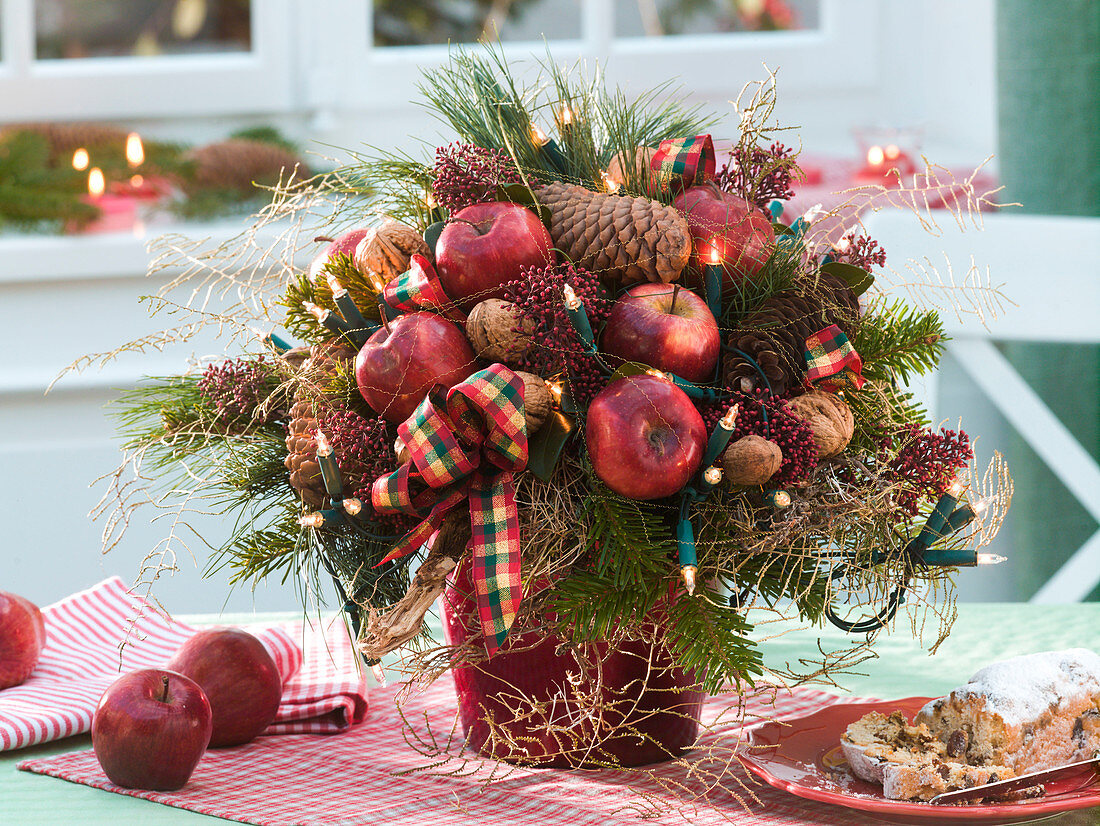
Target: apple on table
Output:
{"points": [[239, 678], [401, 362], [150, 729], [665, 326], [484, 246], [645, 438], [22, 637]]}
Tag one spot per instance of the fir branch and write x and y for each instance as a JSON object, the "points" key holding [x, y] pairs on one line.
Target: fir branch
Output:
{"points": [[897, 341], [712, 640]]}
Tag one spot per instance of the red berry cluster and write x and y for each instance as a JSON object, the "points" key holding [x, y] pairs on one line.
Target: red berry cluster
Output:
{"points": [[365, 450], [759, 175], [925, 463], [237, 388], [556, 348], [465, 174], [788, 430], [860, 251]]}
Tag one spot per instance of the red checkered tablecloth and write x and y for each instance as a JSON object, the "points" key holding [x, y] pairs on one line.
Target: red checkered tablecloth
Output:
{"points": [[374, 774]]}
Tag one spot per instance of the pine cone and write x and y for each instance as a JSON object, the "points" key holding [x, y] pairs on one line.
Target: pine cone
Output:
{"points": [[301, 460], [774, 335], [618, 236], [240, 164]]}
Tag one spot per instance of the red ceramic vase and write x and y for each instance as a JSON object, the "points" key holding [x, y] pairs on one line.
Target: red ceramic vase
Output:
{"points": [[532, 704]]}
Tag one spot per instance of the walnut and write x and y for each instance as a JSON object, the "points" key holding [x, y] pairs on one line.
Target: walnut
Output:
{"points": [[387, 248], [498, 332], [536, 400], [751, 460], [829, 418]]}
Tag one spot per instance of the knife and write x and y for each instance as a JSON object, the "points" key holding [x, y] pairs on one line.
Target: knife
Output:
{"points": [[1069, 778]]}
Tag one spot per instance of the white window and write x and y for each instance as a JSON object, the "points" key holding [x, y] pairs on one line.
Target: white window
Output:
{"points": [[104, 59]]}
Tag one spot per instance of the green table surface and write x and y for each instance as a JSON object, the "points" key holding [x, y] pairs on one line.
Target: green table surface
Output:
{"points": [[983, 632]]}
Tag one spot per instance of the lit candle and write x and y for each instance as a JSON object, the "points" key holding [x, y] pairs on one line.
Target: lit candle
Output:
{"points": [[116, 213], [884, 165], [712, 279]]}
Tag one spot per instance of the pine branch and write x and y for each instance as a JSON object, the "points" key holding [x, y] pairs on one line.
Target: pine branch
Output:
{"points": [[711, 639], [897, 341]]}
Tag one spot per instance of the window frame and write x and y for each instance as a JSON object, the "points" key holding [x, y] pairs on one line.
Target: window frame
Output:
{"points": [[835, 56], [104, 88]]}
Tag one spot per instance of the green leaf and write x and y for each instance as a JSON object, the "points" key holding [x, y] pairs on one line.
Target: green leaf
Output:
{"points": [[859, 280], [781, 229], [432, 233], [545, 447], [519, 194]]}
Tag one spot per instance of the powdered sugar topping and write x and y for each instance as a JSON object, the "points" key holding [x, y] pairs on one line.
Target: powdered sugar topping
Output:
{"points": [[1022, 688]]}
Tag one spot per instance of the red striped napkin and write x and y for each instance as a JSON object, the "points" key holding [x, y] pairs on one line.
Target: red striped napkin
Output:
{"points": [[372, 775], [83, 656]]}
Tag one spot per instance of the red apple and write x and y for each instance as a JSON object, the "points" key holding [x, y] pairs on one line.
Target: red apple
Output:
{"points": [[484, 246], [725, 230], [240, 679], [150, 729], [664, 326], [341, 244], [398, 366], [645, 438], [22, 635]]}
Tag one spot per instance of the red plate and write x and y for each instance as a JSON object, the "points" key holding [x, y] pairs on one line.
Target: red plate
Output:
{"points": [[796, 754]]}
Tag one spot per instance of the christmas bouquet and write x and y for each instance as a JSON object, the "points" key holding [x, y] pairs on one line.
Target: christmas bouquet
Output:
{"points": [[581, 380]]}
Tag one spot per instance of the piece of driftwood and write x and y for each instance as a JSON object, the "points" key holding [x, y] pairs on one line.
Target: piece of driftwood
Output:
{"points": [[386, 630]]}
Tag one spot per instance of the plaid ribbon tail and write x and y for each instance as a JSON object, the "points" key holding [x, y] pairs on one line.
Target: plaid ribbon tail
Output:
{"points": [[419, 288], [832, 363], [418, 536], [494, 523], [683, 162]]}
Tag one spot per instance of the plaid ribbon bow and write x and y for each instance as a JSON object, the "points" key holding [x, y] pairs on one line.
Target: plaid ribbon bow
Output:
{"points": [[419, 288], [683, 162], [465, 443], [832, 363]]}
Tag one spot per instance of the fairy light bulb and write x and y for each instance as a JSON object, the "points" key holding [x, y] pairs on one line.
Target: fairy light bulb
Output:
{"points": [[991, 559], [980, 506], [843, 245], [572, 302], [610, 183], [324, 447], [657, 374], [955, 488], [688, 573], [566, 115], [81, 159], [379, 674], [729, 421], [556, 389], [892, 151], [715, 255], [538, 137], [875, 156], [813, 213], [312, 520], [352, 506], [712, 476], [338, 289], [319, 313]]}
